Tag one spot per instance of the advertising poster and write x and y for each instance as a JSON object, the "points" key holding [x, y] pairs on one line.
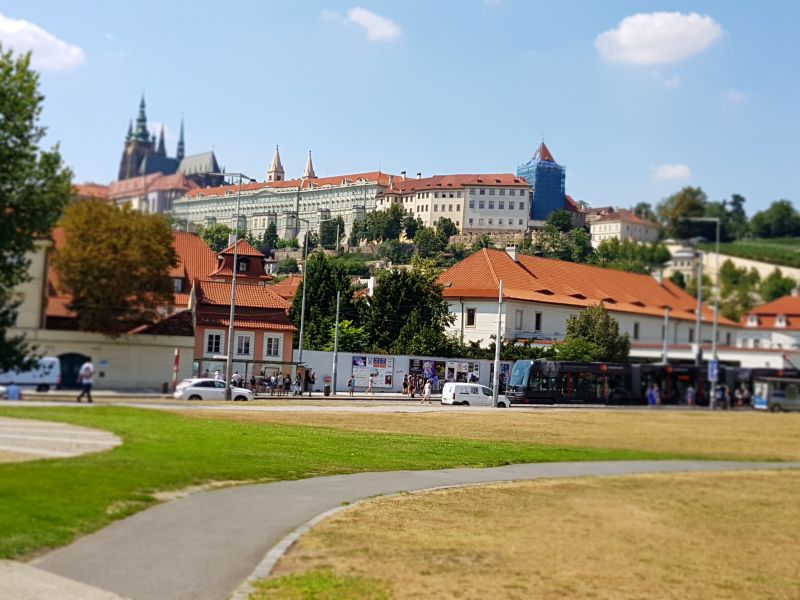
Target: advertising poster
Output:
{"points": [[426, 368], [379, 367], [505, 372], [467, 372]]}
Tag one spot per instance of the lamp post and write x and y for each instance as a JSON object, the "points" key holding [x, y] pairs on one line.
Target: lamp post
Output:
{"points": [[305, 281], [713, 400], [229, 361]]}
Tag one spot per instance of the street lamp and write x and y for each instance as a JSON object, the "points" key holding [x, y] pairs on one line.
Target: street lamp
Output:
{"points": [[713, 400], [305, 282], [229, 363]]}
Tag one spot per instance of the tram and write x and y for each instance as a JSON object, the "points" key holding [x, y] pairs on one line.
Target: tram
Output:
{"points": [[560, 382]]}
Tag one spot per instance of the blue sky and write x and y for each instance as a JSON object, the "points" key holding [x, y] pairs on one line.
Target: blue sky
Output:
{"points": [[634, 106]]}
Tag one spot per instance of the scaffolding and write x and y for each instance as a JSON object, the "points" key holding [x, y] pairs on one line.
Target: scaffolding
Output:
{"points": [[548, 180]]}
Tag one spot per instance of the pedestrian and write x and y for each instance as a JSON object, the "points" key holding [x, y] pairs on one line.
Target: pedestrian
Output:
{"points": [[86, 379], [405, 384], [412, 386], [370, 389], [13, 392], [287, 383], [205, 373], [435, 383], [253, 383], [690, 395], [236, 379], [312, 379], [350, 385], [426, 392], [217, 375], [738, 395], [653, 396], [297, 386], [726, 396]]}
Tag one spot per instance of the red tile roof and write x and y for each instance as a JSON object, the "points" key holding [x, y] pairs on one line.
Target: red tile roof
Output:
{"points": [[287, 288], [767, 314], [244, 248], [137, 186], [337, 180], [91, 190], [544, 153], [550, 281], [197, 260], [627, 216], [275, 323], [247, 296], [445, 182]]}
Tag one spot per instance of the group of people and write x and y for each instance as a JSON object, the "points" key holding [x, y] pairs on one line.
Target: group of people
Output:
{"points": [[740, 398], [417, 384], [276, 384]]}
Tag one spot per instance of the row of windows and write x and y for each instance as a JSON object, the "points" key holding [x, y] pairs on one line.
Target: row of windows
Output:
{"points": [[244, 343], [501, 205], [518, 319], [422, 195], [491, 221], [449, 208], [501, 192]]}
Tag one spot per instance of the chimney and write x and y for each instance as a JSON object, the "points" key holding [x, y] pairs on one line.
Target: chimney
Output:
{"points": [[511, 250], [419, 175], [403, 174], [658, 275], [391, 182]]}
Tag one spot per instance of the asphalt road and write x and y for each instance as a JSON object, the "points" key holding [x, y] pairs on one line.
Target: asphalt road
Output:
{"points": [[205, 545]]}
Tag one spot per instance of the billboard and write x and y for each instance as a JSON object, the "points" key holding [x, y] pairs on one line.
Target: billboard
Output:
{"points": [[467, 372], [380, 368]]}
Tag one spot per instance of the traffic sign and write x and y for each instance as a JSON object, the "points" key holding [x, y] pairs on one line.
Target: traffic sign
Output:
{"points": [[713, 370]]}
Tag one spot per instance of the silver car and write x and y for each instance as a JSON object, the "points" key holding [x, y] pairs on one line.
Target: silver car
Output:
{"points": [[201, 388]]}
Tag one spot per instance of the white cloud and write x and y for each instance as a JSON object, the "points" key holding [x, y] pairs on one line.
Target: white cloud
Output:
{"points": [[378, 28], [48, 51], [672, 172], [736, 97], [672, 82], [658, 38]]}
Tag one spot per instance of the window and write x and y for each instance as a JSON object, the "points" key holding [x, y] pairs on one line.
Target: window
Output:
{"points": [[691, 335], [177, 285], [470, 317], [491, 221], [499, 221], [501, 205], [491, 203], [271, 345], [458, 207], [243, 344], [458, 194], [756, 343], [483, 191], [480, 221], [518, 320], [520, 221], [435, 194], [636, 331], [213, 343], [243, 265], [502, 193], [491, 191], [728, 338], [471, 192], [436, 207], [470, 221], [511, 205], [481, 204], [537, 323], [471, 203], [449, 208]]}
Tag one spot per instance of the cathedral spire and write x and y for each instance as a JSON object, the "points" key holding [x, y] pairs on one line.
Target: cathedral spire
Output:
{"points": [[309, 172], [161, 149], [130, 131], [276, 172], [181, 149], [141, 123]]}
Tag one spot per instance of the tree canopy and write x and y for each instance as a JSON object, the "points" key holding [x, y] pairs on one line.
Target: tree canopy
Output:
{"points": [[216, 236], [34, 188], [593, 335], [115, 265]]}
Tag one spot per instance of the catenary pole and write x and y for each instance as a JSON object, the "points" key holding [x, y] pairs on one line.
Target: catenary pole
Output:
{"points": [[335, 345], [497, 344], [229, 362], [698, 359]]}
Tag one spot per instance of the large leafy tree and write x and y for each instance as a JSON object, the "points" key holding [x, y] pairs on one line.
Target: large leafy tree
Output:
{"points": [[216, 236], [674, 210], [331, 233], [270, 237], [780, 219], [776, 285], [429, 242], [34, 188], [115, 265], [593, 334], [560, 220]]}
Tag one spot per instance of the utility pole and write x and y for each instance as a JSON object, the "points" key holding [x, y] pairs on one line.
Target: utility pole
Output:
{"points": [[698, 359], [335, 345], [497, 341], [713, 401], [665, 349]]}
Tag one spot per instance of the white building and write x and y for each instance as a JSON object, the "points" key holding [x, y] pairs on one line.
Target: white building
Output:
{"points": [[623, 225], [154, 193], [487, 203], [540, 294], [775, 325], [685, 260]]}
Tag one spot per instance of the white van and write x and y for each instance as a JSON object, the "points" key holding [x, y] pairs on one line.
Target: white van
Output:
{"points": [[471, 394], [45, 375]]}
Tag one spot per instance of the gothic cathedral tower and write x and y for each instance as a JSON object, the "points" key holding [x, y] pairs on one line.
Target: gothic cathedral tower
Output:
{"points": [[138, 144]]}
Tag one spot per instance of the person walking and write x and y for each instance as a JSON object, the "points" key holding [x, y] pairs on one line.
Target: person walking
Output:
{"points": [[297, 386], [653, 396], [426, 392], [217, 375], [236, 379], [405, 384], [350, 385], [435, 383], [370, 389], [86, 379], [690, 395]]}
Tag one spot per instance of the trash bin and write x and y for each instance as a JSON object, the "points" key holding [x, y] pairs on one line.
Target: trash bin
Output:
{"points": [[164, 387], [327, 389]]}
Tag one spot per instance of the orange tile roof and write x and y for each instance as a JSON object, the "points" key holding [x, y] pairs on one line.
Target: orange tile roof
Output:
{"points": [[337, 180], [197, 260], [91, 190], [56, 301], [153, 182], [445, 182], [787, 306], [545, 154], [551, 281], [627, 216], [273, 324], [287, 288], [244, 248], [247, 296]]}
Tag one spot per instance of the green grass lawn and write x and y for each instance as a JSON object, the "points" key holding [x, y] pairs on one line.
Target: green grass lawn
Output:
{"points": [[46, 503]]}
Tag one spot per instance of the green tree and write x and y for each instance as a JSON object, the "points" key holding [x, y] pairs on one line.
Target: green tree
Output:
{"points": [[34, 188], [395, 251], [689, 202], [352, 338], [691, 288], [270, 237], [429, 242], [594, 334], [357, 234], [775, 285], [382, 225], [560, 220], [645, 211], [482, 241], [580, 246], [446, 228], [216, 236], [115, 265], [331, 233], [310, 241], [739, 223], [678, 279], [779, 220], [287, 265], [411, 225], [290, 244]]}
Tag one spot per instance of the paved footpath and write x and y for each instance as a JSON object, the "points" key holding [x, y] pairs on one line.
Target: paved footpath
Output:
{"points": [[203, 546], [30, 439]]}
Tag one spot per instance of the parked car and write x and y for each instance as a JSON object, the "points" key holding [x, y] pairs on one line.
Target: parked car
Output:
{"points": [[45, 375], [471, 394], [200, 388]]}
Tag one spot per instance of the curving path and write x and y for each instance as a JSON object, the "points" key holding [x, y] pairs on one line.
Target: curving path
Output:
{"points": [[30, 439], [205, 545]]}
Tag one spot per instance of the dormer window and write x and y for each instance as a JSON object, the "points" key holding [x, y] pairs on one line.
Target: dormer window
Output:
{"points": [[780, 321], [244, 264], [177, 284], [752, 321]]}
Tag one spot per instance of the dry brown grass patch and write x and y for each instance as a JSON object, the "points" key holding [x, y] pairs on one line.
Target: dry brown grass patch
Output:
{"points": [[720, 535], [734, 435]]}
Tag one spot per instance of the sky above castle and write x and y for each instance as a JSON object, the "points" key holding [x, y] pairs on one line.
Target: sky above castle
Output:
{"points": [[637, 99]]}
